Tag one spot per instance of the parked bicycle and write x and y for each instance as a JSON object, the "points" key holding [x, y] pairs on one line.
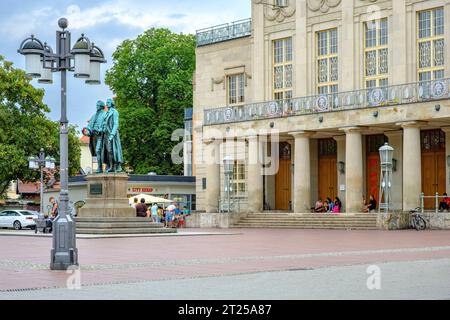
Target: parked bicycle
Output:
{"points": [[416, 220]]}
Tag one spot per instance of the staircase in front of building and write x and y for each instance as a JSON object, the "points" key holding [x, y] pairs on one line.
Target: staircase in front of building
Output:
{"points": [[114, 226], [274, 220]]}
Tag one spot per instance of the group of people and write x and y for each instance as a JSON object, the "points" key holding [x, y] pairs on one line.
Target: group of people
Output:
{"points": [[172, 216], [328, 206]]}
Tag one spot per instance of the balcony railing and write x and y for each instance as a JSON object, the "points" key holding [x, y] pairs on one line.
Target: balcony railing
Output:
{"points": [[224, 32], [318, 104]]}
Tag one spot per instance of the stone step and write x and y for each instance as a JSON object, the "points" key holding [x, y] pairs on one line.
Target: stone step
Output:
{"points": [[307, 224], [126, 231], [117, 225], [312, 215], [310, 219], [108, 220], [304, 227]]}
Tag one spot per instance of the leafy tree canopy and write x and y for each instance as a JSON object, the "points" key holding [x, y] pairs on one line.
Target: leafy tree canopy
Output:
{"points": [[152, 80], [24, 128]]}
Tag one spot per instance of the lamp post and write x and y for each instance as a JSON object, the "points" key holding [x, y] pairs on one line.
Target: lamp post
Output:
{"points": [[386, 157], [41, 162], [41, 62], [228, 165]]}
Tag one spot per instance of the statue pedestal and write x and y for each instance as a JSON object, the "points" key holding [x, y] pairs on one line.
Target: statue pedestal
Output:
{"points": [[107, 210], [107, 197]]}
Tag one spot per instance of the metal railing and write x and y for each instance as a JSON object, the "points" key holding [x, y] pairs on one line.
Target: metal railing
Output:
{"points": [[324, 103], [224, 32], [233, 206], [428, 213]]}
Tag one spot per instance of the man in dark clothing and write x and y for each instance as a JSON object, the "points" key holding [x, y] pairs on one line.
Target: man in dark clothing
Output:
{"points": [[141, 209]]}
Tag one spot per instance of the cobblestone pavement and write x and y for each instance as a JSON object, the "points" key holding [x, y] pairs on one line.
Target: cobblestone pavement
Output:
{"points": [[398, 280], [244, 253]]}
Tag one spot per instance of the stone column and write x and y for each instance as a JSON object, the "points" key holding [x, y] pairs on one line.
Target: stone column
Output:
{"points": [[353, 170], [447, 154], [255, 176], [212, 191], [412, 165], [399, 44], [396, 142], [340, 140], [302, 172], [347, 47]]}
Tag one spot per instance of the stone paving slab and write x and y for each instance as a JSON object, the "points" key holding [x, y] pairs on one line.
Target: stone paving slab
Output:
{"points": [[24, 261], [180, 233]]}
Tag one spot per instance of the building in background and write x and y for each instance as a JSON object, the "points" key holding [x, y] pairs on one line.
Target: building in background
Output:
{"points": [[335, 80], [180, 189], [187, 148]]}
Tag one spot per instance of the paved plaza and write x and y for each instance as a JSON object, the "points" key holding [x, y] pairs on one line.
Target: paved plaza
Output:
{"points": [[236, 264]]}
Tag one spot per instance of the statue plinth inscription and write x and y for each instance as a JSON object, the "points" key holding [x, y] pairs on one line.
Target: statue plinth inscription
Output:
{"points": [[107, 197]]}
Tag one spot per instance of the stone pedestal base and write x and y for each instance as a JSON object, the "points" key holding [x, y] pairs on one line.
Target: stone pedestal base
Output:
{"points": [[107, 210], [107, 197]]}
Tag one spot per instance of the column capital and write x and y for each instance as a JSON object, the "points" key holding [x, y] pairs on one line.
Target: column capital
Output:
{"points": [[411, 124], [397, 133], [352, 129], [302, 134], [446, 129], [339, 138]]}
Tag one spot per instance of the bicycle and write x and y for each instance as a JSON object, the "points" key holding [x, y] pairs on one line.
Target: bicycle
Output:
{"points": [[416, 220]]}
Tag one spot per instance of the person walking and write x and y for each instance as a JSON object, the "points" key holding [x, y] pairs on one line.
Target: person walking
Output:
{"points": [[141, 209], [154, 212], [55, 207]]}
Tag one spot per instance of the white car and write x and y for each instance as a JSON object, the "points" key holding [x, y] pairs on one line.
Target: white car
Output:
{"points": [[18, 219]]}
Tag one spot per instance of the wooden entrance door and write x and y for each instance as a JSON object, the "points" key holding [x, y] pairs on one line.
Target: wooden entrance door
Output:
{"points": [[373, 168], [327, 169], [283, 186], [433, 165], [328, 177], [373, 176], [283, 179]]}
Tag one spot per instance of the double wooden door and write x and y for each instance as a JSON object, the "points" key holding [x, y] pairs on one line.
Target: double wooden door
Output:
{"points": [[283, 183], [328, 177], [433, 176]]}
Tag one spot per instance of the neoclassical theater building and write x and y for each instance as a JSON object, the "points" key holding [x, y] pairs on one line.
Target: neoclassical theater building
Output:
{"points": [[302, 96]]}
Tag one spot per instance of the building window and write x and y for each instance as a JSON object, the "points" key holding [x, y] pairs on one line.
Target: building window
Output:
{"points": [[282, 69], [327, 147], [327, 61], [376, 53], [431, 45], [238, 183], [236, 84]]}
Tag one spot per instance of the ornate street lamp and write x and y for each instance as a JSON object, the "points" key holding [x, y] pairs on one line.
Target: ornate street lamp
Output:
{"points": [[386, 158], [40, 61], [228, 168], [41, 162]]}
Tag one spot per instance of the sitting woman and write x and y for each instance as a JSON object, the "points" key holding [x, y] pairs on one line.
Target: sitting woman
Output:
{"points": [[319, 206], [330, 205], [444, 205], [337, 205], [372, 206]]}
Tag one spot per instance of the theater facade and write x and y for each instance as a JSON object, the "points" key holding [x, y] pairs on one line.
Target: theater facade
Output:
{"points": [[301, 96]]}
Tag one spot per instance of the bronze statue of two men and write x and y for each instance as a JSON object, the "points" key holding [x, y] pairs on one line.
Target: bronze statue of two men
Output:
{"points": [[104, 143]]}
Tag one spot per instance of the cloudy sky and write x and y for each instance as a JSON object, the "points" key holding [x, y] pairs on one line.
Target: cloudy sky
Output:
{"points": [[107, 23]]}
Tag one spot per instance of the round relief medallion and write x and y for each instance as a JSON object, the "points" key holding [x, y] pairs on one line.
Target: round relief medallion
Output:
{"points": [[438, 89], [322, 103], [228, 114]]}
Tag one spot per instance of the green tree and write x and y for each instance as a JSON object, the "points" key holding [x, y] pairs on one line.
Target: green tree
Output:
{"points": [[152, 80], [24, 128]]}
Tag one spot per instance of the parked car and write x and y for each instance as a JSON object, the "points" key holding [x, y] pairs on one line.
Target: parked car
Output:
{"points": [[18, 219]]}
